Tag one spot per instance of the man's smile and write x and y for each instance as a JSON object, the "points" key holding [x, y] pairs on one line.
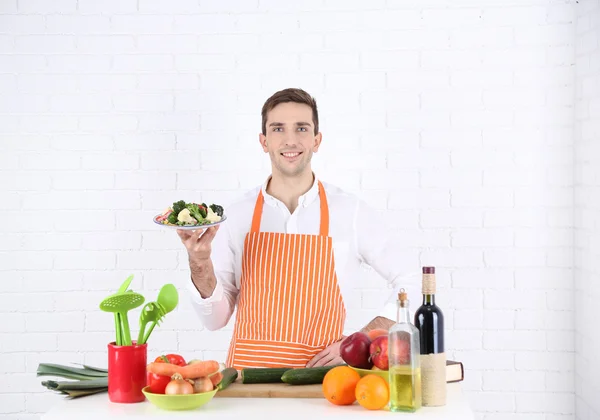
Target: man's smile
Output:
{"points": [[291, 155]]}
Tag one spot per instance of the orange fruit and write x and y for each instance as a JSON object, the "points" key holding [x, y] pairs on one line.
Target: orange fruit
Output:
{"points": [[339, 385], [372, 392], [373, 334]]}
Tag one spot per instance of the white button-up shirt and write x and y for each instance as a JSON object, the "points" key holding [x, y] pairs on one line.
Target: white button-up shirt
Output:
{"points": [[358, 232]]}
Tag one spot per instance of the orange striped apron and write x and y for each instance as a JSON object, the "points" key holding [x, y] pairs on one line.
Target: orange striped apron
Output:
{"points": [[290, 306]]}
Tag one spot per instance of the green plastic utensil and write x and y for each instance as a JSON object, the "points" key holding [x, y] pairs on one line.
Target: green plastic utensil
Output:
{"points": [[167, 300], [168, 297], [121, 303], [119, 333], [151, 312]]}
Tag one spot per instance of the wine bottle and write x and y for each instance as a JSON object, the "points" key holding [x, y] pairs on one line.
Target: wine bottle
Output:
{"points": [[429, 320], [404, 360]]}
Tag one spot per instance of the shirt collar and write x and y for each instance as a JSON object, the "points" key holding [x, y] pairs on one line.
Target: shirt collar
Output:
{"points": [[304, 200]]}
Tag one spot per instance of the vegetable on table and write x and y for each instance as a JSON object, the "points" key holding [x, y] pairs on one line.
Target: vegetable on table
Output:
{"points": [[306, 376], [174, 359], [229, 377], [179, 386], [88, 379], [198, 369], [202, 385], [216, 378], [263, 375], [157, 383]]}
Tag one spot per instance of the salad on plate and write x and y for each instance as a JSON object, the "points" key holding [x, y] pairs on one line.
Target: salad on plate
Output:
{"points": [[182, 215]]}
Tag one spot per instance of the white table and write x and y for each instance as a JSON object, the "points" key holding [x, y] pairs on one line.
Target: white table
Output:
{"points": [[98, 407]]}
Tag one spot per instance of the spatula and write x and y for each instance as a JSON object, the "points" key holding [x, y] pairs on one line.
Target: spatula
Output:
{"points": [[121, 303], [167, 300]]}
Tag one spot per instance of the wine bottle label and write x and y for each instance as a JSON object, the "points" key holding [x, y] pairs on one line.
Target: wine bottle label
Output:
{"points": [[433, 379], [428, 284]]}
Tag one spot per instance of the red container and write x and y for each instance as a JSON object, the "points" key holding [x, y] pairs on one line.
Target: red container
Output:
{"points": [[126, 372]]}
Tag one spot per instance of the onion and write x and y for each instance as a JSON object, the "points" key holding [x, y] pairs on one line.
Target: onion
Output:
{"points": [[202, 385], [178, 386]]}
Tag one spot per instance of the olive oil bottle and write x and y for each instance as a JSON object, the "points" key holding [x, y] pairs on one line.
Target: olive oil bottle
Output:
{"points": [[404, 360]]}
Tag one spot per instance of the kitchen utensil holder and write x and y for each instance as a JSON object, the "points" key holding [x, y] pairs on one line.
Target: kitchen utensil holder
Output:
{"points": [[127, 372]]}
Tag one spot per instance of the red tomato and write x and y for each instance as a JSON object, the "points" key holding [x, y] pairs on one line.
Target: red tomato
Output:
{"points": [[157, 383]]}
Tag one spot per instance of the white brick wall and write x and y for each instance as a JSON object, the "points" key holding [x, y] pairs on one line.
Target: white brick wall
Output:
{"points": [[455, 117], [587, 210]]}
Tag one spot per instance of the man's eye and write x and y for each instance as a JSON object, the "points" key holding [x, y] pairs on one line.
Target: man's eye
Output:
{"points": [[302, 128], [277, 129]]}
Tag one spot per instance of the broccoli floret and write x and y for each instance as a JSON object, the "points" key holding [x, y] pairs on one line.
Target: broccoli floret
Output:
{"points": [[217, 209], [172, 218], [178, 206], [196, 212]]}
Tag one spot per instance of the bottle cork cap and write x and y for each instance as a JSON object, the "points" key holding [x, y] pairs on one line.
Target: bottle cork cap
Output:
{"points": [[428, 270], [402, 295]]}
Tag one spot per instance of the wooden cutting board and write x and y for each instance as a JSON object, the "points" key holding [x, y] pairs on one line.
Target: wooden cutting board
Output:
{"points": [[240, 390]]}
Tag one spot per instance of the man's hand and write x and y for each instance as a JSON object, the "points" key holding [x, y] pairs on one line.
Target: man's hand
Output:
{"points": [[328, 357], [198, 245]]}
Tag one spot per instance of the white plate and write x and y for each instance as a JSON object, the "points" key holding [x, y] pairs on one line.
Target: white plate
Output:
{"points": [[195, 227]]}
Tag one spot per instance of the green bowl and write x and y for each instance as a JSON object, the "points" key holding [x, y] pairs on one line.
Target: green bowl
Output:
{"points": [[363, 372], [179, 402]]}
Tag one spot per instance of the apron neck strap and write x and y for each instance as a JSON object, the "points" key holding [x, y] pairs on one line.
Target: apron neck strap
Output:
{"points": [[323, 229]]}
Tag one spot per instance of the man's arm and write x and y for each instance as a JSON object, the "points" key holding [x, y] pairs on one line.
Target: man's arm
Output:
{"points": [[331, 355], [212, 266], [203, 277]]}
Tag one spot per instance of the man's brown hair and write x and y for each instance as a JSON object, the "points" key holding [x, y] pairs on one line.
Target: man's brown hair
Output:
{"points": [[290, 95]]}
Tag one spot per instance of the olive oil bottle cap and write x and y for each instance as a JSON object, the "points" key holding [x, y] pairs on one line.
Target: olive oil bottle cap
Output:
{"points": [[403, 298]]}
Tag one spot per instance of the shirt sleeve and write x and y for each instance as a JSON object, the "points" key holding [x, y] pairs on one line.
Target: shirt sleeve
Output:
{"points": [[378, 247], [216, 310]]}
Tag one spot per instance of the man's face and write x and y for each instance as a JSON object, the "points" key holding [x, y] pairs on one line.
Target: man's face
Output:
{"points": [[290, 139]]}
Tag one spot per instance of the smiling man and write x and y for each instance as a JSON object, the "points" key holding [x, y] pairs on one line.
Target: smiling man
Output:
{"points": [[288, 253]]}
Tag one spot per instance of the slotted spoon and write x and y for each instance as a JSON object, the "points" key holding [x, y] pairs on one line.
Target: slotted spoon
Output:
{"points": [[121, 303], [122, 289]]}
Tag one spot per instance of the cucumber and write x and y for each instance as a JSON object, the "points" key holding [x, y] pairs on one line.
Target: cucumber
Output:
{"points": [[262, 375], [229, 376], [306, 376]]}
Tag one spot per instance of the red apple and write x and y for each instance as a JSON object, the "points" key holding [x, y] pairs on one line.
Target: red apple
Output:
{"points": [[402, 351], [379, 352], [355, 350]]}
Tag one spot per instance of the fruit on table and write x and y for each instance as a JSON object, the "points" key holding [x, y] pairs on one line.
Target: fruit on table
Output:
{"points": [[354, 350], [372, 392], [402, 351], [373, 334], [379, 352], [339, 385]]}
